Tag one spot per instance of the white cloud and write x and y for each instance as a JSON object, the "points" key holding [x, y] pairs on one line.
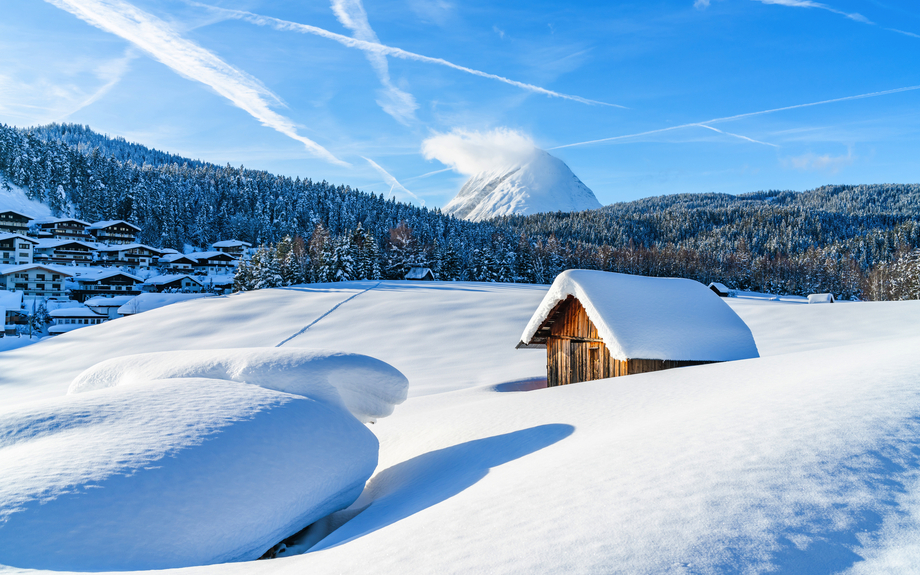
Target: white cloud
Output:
{"points": [[471, 152], [285, 25], [391, 181], [395, 102], [814, 163], [163, 43], [701, 4], [810, 4]]}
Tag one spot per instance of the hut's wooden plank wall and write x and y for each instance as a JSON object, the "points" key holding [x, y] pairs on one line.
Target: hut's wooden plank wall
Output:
{"points": [[575, 351]]}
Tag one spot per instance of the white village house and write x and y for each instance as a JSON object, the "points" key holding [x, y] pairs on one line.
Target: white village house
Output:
{"points": [[596, 325]]}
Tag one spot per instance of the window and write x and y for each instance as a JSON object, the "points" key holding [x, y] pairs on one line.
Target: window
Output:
{"points": [[40, 286], [23, 246], [55, 277], [6, 254], [55, 286], [26, 255], [40, 277]]}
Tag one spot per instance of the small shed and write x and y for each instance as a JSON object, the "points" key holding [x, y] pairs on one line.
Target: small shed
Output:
{"points": [[720, 289], [596, 325], [821, 298], [420, 274]]}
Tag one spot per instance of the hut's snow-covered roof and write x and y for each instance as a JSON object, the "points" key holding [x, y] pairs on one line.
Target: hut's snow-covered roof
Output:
{"points": [[418, 273], [821, 298], [231, 244], [109, 223], [651, 318]]}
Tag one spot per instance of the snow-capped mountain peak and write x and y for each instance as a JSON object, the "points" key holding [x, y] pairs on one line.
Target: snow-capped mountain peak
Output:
{"points": [[540, 183]]}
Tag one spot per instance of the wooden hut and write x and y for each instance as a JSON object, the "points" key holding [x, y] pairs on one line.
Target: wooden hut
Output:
{"points": [[596, 325]]}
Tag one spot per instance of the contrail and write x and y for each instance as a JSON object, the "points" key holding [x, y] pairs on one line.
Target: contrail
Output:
{"points": [[389, 179], [395, 102], [163, 43], [383, 49], [413, 178], [739, 116], [737, 135]]}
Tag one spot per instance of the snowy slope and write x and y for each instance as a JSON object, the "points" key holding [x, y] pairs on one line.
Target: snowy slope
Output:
{"points": [[542, 183], [801, 461], [15, 199]]}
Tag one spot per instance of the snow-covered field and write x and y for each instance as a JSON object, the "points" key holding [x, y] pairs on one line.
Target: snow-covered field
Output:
{"points": [[805, 460]]}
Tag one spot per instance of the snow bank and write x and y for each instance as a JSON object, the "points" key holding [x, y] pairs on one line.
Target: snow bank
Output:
{"points": [[651, 318], [148, 301], [187, 458], [368, 388], [15, 199]]}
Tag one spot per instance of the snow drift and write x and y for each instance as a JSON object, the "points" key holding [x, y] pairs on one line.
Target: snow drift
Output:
{"points": [[538, 183], [187, 458]]}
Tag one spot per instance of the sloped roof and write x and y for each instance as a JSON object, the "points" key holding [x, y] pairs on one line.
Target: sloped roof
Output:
{"points": [[821, 298], [10, 300], [198, 256], [126, 247], [20, 236], [20, 214], [81, 311], [169, 278], [103, 301], [55, 243], [231, 244], [104, 273], [418, 273], [12, 269], [106, 223], [651, 318]]}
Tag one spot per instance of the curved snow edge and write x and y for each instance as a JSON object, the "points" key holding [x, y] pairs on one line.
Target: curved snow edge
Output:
{"points": [[365, 386]]}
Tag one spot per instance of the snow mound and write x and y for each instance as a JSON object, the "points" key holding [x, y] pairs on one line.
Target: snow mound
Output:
{"points": [[651, 318], [542, 183], [187, 458], [368, 388]]}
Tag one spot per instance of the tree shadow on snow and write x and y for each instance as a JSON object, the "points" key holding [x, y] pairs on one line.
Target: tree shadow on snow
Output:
{"points": [[529, 384], [421, 482]]}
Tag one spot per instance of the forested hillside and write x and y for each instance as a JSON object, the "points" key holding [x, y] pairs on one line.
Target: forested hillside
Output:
{"points": [[843, 239]]}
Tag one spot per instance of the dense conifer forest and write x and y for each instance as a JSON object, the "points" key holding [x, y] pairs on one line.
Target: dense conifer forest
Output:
{"points": [[853, 241]]}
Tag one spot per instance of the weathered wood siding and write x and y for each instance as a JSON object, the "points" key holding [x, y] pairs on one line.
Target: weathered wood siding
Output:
{"points": [[575, 351]]}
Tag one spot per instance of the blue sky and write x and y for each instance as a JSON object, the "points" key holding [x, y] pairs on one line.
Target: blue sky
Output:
{"points": [[639, 98]]}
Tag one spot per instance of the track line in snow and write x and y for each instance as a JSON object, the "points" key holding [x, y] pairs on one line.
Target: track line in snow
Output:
{"points": [[335, 307]]}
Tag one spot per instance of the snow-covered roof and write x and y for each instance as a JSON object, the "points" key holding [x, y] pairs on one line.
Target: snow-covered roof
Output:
{"points": [[168, 278], [198, 256], [651, 318], [231, 244], [20, 214], [64, 328], [171, 258], [126, 247], [20, 236], [12, 269], [61, 220], [418, 273], [81, 311], [719, 288], [104, 273], [821, 298], [11, 300], [54, 243], [107, 223], [149, 301], [102, 301]]}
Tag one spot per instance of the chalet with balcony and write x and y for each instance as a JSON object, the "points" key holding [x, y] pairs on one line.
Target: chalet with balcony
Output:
{"points": [[35, 279], [64, 229], [173, 283], [64, 252], [12, 222], [132, 255], [235, 248], [114, 232], [212, 262], [104, 282], [16, 249], [177, 263]]}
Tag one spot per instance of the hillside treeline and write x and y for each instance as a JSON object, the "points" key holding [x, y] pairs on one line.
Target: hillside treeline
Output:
{"points": [[842, 239]]}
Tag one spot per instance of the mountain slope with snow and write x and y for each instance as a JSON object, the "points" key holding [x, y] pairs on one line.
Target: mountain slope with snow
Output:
{"points": [[541, 183]]}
